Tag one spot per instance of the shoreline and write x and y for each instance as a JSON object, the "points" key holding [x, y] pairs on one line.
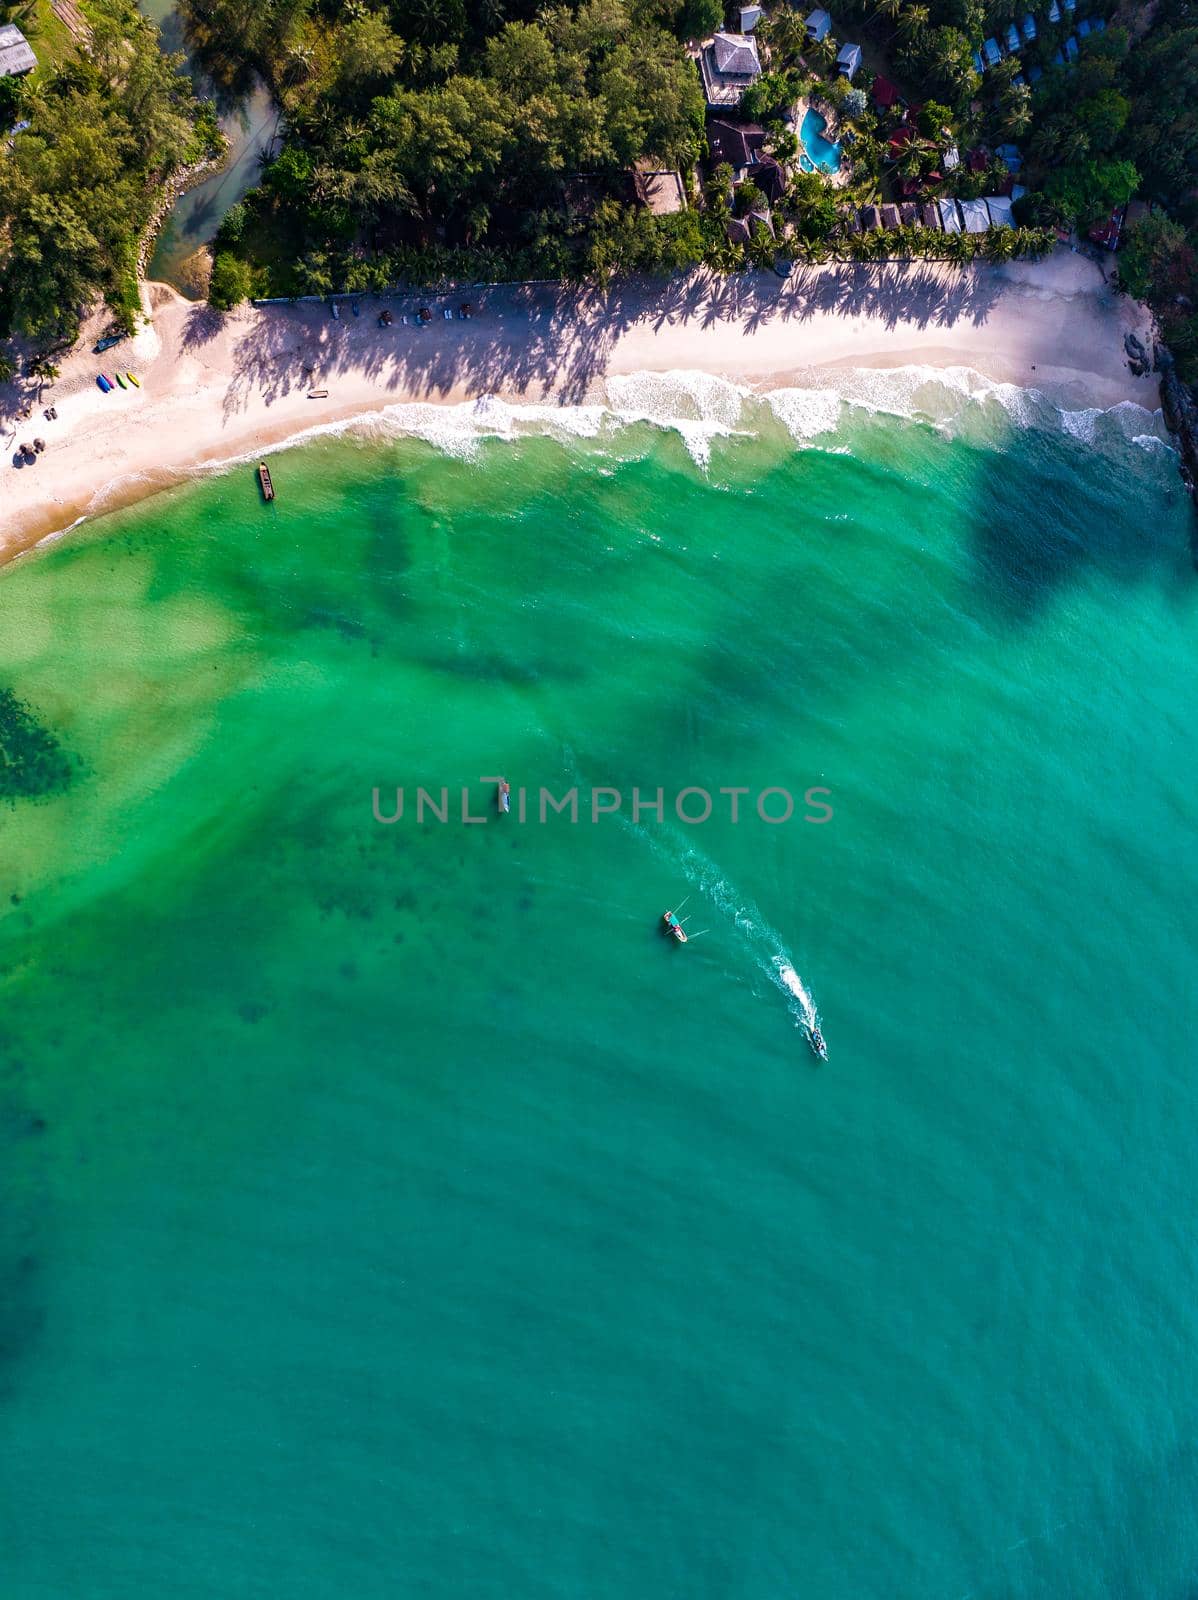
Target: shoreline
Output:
{"points": [[217, 388]]}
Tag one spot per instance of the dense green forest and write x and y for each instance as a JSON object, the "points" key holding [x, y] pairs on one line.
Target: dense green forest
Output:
{"points": [[421, 133], [1119, 120], [499, 138], [108, 122], [1159, 261]]}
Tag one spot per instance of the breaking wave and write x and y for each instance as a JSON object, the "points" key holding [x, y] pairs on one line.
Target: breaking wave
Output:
{"points": [[700, 408]]}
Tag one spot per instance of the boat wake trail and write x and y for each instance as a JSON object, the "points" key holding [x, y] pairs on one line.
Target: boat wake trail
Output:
{"points": [[806, 1015], [764, 944]]}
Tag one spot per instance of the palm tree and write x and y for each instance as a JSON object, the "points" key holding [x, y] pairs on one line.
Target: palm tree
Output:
{"points": [[824, 51], [913, 22], [1000, 244], [1016, 110]]}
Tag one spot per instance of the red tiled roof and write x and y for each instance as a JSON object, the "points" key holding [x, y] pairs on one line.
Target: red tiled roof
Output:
{"points": [[885, 93], [1107, 233]]}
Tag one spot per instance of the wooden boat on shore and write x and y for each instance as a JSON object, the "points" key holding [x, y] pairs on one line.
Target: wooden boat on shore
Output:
{"points": [[318, 394], [264, 478]]}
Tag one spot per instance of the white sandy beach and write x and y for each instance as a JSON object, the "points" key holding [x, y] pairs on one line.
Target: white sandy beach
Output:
{"points": [[216, 388]]}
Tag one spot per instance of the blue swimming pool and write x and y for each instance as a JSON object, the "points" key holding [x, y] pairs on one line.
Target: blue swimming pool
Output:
{"points": [[818, 152]]}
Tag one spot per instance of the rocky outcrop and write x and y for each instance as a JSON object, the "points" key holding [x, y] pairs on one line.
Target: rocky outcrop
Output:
{"points": [[178, 184], [1180, 411], [1138, 358]]}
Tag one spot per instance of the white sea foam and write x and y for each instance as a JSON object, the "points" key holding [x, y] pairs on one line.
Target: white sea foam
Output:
{"points": [[701, 408], [806, 413], [697, 406], [949, 398]]}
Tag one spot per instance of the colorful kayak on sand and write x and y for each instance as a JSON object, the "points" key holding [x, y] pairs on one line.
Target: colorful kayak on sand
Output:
{"points": [[134, 381], [103, 383]]}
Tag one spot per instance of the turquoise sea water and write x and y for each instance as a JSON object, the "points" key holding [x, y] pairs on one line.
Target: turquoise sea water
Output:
{"points": [[390, 1211]]}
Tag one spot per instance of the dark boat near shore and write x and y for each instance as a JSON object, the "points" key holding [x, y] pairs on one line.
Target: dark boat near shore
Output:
{"points": [[264, 478]]}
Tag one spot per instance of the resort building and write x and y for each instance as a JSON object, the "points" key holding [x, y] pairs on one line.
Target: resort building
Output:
{"points": [[999, 207], [871, 217], [885, 93], [991, 52], [1013, 38], [929, 215], [890, 216], [750, 16], [819, 25], [729, 66], [737, 145], [950, 217], [975, 216], [848, 60], [738, 230], [1029, 28], [769, 178], [15, 55]]}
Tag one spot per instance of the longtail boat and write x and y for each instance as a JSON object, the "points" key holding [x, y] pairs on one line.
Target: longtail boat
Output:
{"points": [[673, 927], [268, 488]]}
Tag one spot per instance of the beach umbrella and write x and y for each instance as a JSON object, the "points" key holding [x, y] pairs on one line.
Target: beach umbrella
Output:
{"points": [[39, 444], [425, 314]]}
